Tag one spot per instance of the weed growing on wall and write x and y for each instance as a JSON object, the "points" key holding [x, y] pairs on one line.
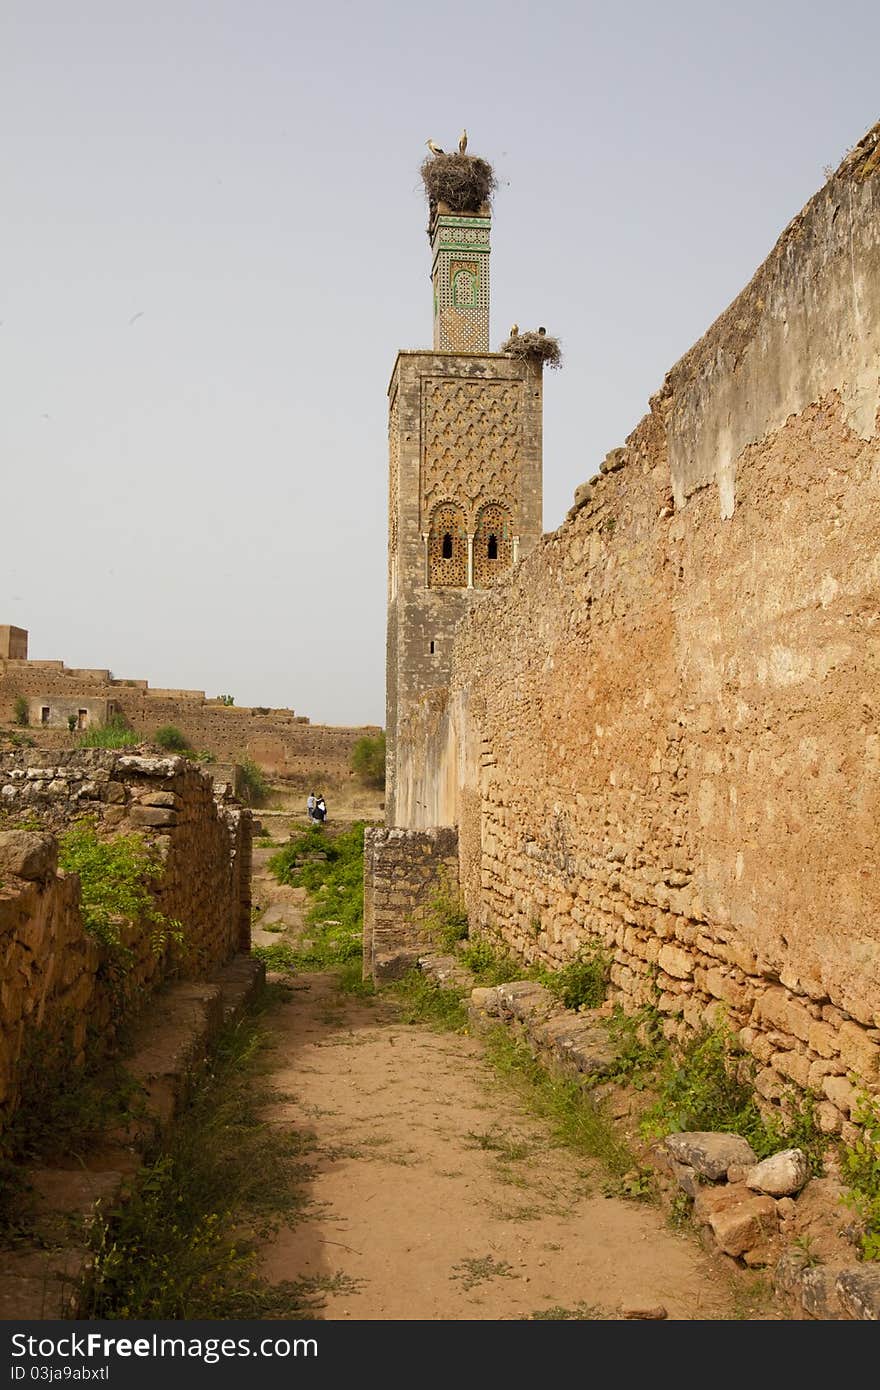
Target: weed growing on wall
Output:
{"points": [[446, 920], [115, 883], [860, 1166], [583, 983], [489, 966], [116, 733], [20, 710], [707, 1084], [640, 1046]]}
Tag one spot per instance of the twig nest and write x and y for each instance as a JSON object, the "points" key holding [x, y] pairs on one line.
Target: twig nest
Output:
{"points": [[461, 181], [537, 347]]}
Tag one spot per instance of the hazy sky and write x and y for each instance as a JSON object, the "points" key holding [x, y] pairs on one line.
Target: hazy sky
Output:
{"points": [[213, 244]]}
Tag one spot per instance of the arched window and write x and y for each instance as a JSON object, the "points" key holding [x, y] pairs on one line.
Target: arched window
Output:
{"points": [[493, 544], [464, 289], [447, 548]]}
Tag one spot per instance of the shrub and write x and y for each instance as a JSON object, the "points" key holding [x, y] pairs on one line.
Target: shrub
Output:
{"points": [[71, 722], [20, 713], [491, 967], [171, 739], [116, 733], [368, 760], [583, 983], [226, 699], [115, 883], [254, 784], [860, 1166], [708, 1085]]}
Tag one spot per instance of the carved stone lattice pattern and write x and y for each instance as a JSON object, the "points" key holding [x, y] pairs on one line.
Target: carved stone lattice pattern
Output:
{"points": [[493, 544], [471, 432], [447, 548], [461, 325], [393, 473]]}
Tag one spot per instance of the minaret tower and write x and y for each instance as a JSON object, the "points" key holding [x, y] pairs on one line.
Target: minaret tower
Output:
{"points": [[460, 276], [465, 471]]}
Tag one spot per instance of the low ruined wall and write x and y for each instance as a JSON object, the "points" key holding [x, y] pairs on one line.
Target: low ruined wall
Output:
{"points": [[279, 741], [403, 870], [54, 980], [662, 730]]}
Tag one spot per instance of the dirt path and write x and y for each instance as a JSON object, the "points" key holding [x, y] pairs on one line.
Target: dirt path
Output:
{"points": [[435, 1195]]}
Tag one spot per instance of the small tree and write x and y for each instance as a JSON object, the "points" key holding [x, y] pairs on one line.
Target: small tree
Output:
{"points": [[21, 711], [368, 760], [226, 699], [255, 788]]}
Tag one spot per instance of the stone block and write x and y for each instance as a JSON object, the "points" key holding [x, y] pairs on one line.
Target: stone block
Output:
{"points": [[858, 1292], [858, 1052], [819, 1295], [28, 855], [841, 1093], [744, 1225], [780, 1175], [710, 1153], [675, 962], [143, 817]]}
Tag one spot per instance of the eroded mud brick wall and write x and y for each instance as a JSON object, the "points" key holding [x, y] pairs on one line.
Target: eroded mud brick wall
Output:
{"points": [[53, 976], [404, 870], [665, 727], [281, 742]]}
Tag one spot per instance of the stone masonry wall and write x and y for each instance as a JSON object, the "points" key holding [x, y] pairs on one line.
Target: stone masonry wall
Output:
{"points": [[403, 870], [663, 732], [54, 980]]}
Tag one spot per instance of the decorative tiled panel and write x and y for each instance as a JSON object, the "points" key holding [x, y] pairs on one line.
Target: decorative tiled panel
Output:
{"points": [[460, 274]]}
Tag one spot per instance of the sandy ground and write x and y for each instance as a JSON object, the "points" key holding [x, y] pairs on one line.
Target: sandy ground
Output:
{"points": [[434, 1194]]}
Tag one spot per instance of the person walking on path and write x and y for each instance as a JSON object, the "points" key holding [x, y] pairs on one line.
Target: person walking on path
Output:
{"points": [[310, 805], [321, 810]]}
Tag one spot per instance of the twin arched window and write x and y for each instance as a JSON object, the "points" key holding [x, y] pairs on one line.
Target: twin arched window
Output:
{"points": [[448, 546]]}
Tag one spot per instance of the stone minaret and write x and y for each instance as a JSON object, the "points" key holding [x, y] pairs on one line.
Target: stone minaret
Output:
{"points": [[465, 484]]}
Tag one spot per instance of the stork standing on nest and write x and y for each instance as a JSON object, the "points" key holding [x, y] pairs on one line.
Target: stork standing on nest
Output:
{"points": [[435, 149], [462, 143]]}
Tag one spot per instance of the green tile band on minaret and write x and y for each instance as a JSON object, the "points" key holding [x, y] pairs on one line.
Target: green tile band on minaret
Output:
{"points": [[460, 276]]}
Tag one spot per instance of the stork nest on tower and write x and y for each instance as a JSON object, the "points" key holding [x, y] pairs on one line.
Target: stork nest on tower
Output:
{"points": [[536, 347], [461, 181]]}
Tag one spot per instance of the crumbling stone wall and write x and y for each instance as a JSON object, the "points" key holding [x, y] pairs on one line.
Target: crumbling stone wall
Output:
{"points": [[663, 727], [282, 743], [403, 870], [54, 976]]}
